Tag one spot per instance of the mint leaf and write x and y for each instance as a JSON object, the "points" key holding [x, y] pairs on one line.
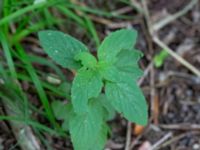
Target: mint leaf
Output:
{"points": [[125, 66], [113, 74], [128, 99], [127, 62], [85, 128], [87, 84], [87, 59], [61, 47], [101, 138], [115, 42], [110, 111], [108, 71]]}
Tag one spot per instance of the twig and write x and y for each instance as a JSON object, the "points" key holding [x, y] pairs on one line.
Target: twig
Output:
{"points": [[157, 144], [176, 138], [109, 23], [171, 18], [152, 92], [176, 56], [147, 17], [128, 136], [122, 11], [181, 126], [146, 72], [192, 78], [137, 6], [134, 142]]}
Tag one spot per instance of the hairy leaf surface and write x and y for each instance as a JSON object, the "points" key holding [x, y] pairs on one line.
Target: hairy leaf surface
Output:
{"points": [[87, 59], [61, 47], [127, 98], [85, 128], [127, 62], [87, 84], [115, 42]]}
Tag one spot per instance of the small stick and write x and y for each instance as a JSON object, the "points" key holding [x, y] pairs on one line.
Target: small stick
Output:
{"points": [[137, 6], [128, 136], [122, 11], [146, 72], [157, 144], [109, 23], [134, 142], [152, 92], [147, 17], [181, 126], [176, 138], [171, 18]]}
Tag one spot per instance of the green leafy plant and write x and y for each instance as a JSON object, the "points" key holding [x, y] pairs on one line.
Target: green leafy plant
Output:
{"points": [[100, 87], [160, 58]]}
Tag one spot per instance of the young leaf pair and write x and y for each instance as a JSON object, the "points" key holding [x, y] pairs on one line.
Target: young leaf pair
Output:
{"points": [[101, 84]]}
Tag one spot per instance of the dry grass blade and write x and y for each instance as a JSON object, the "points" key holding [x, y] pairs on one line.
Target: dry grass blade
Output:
{"points": [[176, 138], [171, 18], [163, 139], [23, 133], [176, 56], [181, 126]]}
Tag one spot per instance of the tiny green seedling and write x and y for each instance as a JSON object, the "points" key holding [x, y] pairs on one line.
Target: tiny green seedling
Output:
{"points": [[100, 87], [160, 58]]}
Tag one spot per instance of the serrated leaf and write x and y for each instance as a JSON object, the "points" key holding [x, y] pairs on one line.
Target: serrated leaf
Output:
{"points": [[101, 138], [87, 59], [127, 62], [62, 48], [108, 72], [124, 67], [127, 98], [87, 84], [115, 42], [113, 74], [85, 128]]}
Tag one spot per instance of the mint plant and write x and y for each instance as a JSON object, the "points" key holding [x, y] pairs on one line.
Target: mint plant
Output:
{"points": [[100, 87]]}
